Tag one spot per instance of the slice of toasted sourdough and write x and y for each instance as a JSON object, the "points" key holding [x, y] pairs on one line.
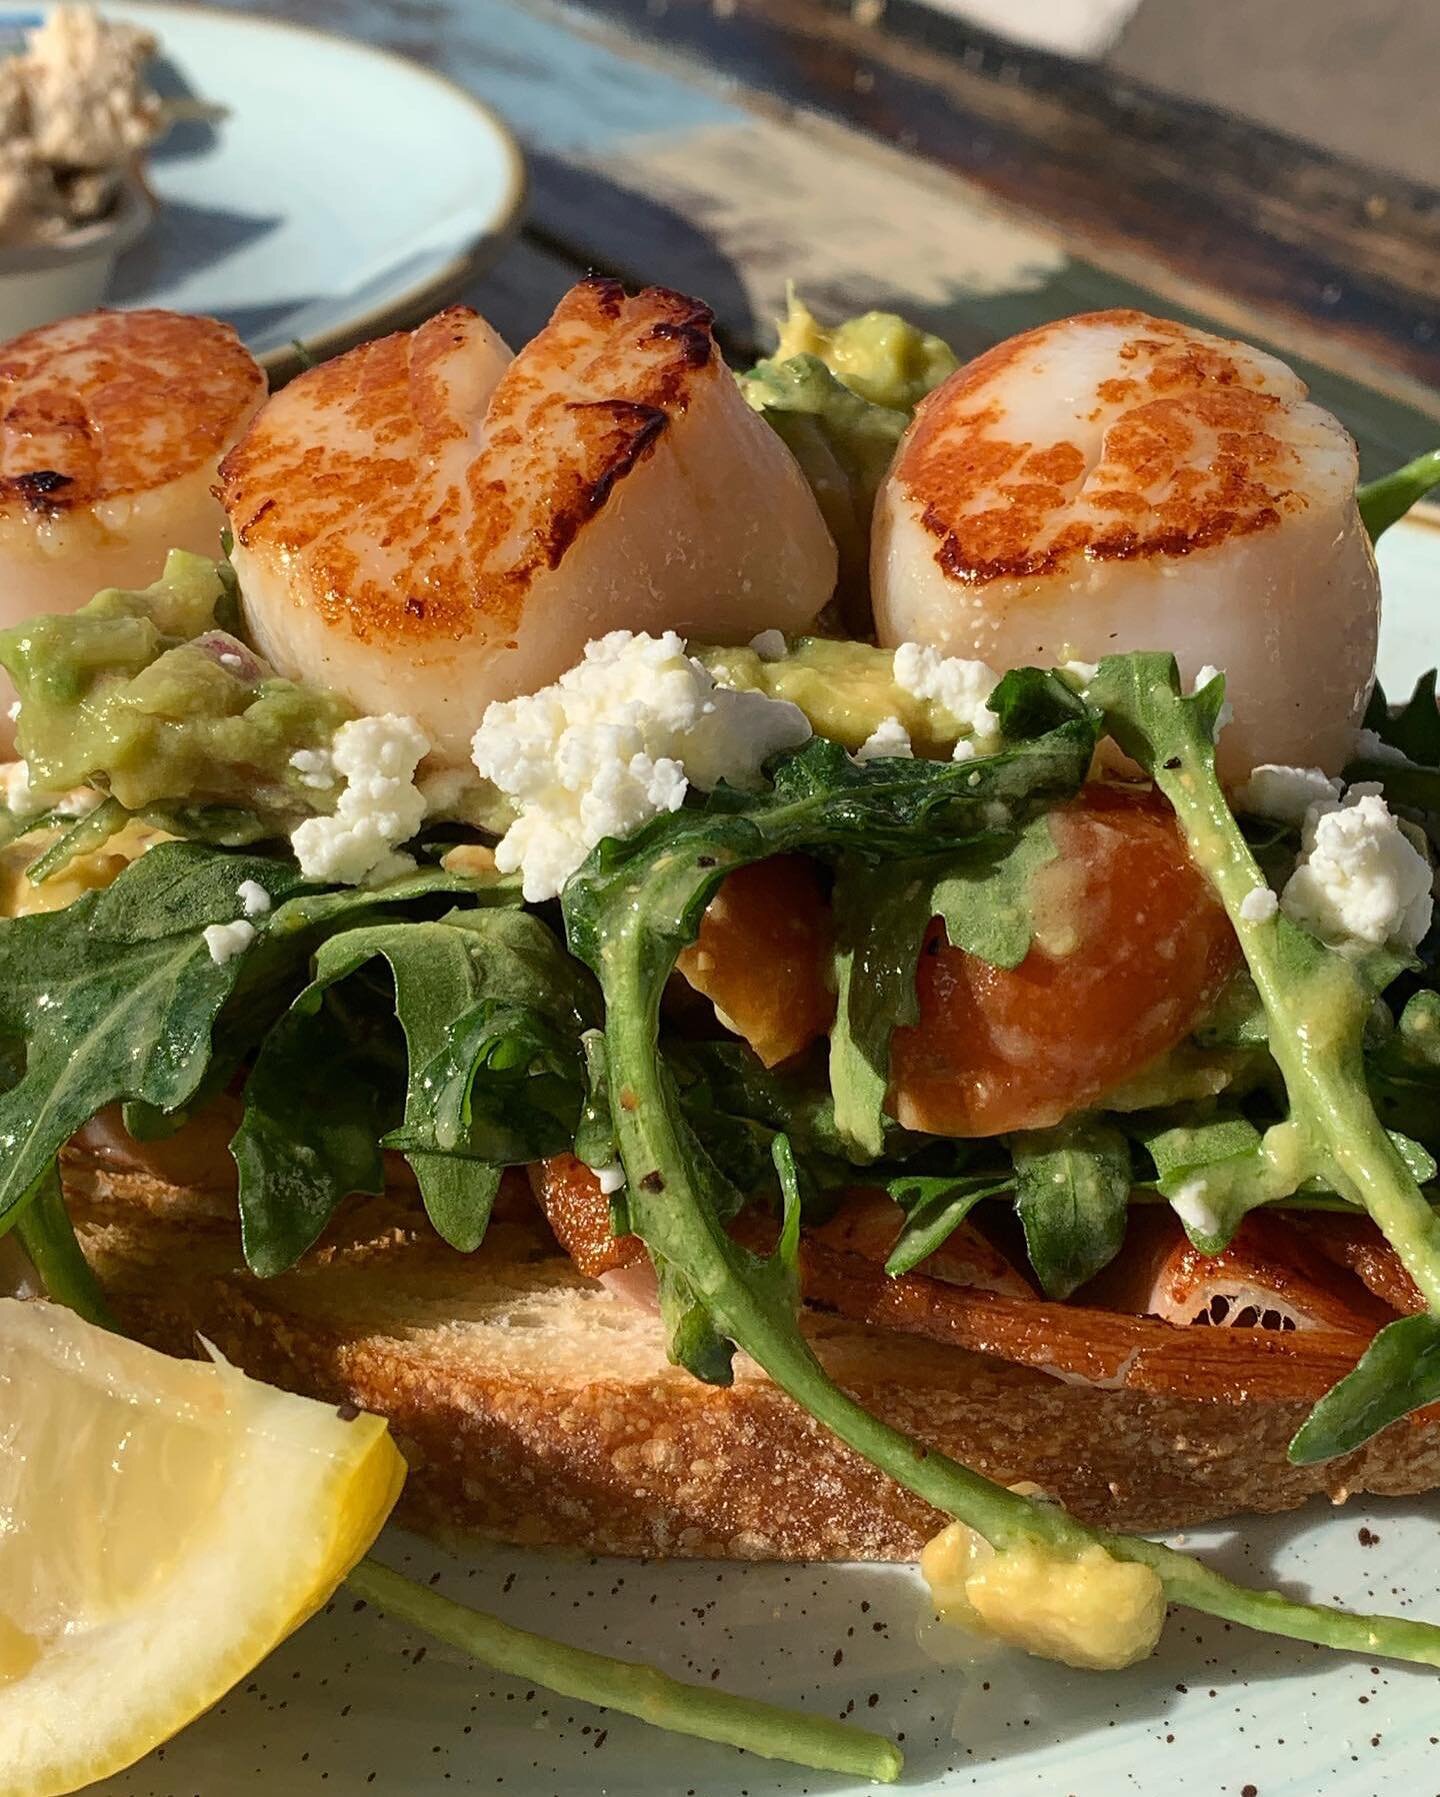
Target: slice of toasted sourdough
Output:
{"points": [[536, 1406]]}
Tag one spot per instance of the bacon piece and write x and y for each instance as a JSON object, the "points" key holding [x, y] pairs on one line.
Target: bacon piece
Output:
{"points": [[1356, 1243]]}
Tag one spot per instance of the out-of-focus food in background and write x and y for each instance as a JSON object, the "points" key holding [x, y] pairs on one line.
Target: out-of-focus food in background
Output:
{"points": [[76, 116]]}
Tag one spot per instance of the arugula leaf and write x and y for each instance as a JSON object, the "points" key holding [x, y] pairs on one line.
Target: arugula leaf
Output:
{"points": [[935, 1206], [880, 916], [492, 1012], [983, 896], [117, 997], [1224, 1156], [1072, 1195], [319, 1096], [1414, 727], [1385, 501], [1399, 1372]]}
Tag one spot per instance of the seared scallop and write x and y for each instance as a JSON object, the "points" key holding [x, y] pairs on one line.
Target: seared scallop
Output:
{"points": [[1116, 481], [426, 526], [112, 425]]}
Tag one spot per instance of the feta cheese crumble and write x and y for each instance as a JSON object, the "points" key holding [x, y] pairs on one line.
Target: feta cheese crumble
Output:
{"points": [[253, 897], [1368, 747], [770, 645], [25, 801], [962, 688], [226, 940], [1259, 905], [380, 806], [1360, 882], [1226, 713], [616, 741], [1285, 793], [1192, 1205], [889, 739], [610, 1179], [316, 767], [1084, 671]]}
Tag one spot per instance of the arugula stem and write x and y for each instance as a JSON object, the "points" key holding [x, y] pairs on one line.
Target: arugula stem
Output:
{"points": [[1385, 501], [668, 1213], [48, 1237], [635, 1690], [1316, 1027]]}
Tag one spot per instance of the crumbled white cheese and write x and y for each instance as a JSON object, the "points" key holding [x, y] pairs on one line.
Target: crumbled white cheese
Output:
{"points": [[962, 688], [1285, 793], [380, 806], [770, 645], [316, 767], [23, 800], [1084, 671], [229, 659], [14, 713], [965, 750], [1360, 881], [1226, 713], [615, 742], [611, 1179], [1259, 905], [889, 739], [253, 896], [226, 940], [1192, 1205], [1368, 747]]}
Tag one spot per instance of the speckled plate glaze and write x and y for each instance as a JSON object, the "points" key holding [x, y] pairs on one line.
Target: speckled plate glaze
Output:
{"points": [[353, 1704], [344, 191]]}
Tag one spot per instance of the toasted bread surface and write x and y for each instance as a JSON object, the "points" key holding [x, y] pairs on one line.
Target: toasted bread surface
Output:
{"points": [[536, 1406]]}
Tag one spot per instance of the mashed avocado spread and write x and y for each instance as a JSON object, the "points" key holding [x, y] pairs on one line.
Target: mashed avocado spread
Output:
{"points": [[152, 697], [841, 400]]}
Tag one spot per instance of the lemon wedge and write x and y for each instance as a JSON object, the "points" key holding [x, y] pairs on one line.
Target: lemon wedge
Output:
{"points": [[163, 1525]]}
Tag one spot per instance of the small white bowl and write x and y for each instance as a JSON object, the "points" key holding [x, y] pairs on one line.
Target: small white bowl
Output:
{"points": [[44, 281]]}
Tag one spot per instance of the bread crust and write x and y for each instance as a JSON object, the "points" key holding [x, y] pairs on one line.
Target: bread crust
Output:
{"points": [[537, 1407]]}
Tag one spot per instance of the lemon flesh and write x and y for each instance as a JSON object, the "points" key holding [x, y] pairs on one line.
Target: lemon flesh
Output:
{"points": [[163, 1525]]}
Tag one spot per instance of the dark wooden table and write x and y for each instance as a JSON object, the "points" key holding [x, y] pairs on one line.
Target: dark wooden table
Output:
{"points": [[883, 154]]}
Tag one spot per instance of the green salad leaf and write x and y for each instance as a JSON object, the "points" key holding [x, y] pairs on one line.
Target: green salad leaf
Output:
{"points": [[1385, 501], [1398, 1373], [1072, 1195], [492, 1013], [119, 998], [935, 1205]]}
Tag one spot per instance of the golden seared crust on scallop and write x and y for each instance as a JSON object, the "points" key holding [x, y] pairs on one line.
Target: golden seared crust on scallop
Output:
{"points": [[1115, 481], [427, 525], [114, 404], [384, 433], [1003, 505]]}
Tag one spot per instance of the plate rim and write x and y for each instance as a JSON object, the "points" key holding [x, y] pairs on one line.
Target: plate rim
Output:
{"points": [[428, 294]]}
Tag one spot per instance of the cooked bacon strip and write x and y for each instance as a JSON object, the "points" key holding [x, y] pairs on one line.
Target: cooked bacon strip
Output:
{"points": [[1069, 1341], [868, 1223], [1270, 1277], [579, 1213], [1356, 1243], [1074, 1342]]}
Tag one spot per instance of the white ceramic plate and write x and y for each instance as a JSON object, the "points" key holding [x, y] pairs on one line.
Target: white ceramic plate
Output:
{"points": [[354, 1705], [344, 192]]}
